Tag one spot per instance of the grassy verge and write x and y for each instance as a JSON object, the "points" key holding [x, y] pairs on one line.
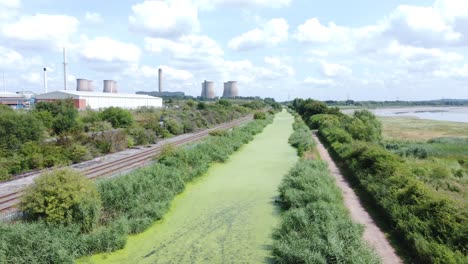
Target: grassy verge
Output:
{"points": [[131, 203], [316, 228]]}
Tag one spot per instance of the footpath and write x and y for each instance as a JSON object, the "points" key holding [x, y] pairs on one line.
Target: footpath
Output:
{"points": [[372, 233]]}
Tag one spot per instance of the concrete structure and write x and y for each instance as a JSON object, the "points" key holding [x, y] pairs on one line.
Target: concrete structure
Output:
{"points": [[83, 85], [208, 91], [160, 80], [230, 89], [96, 100], [110, 86]]}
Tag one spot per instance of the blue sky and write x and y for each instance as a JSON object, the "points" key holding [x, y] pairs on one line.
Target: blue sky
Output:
{"points": [[332, 49]]}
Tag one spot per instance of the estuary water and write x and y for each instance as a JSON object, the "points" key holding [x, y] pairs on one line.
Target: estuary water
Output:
{"points": [[453, 114], [227, 216]]}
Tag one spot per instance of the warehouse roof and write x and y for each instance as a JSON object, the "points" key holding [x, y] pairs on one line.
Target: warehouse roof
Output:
{"points": [[94, 94]]}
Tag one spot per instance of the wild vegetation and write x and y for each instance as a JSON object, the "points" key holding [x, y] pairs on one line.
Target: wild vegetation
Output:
{"points": [[316, 228], [433, 227], [130, 204], [56, 134]]}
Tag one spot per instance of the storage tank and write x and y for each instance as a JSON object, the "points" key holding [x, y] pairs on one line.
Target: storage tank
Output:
{"points": [[110, 86], [82, 85]]}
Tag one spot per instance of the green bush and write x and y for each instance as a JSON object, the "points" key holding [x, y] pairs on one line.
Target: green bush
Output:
{"points": [[259, 115], [63, 197], [301, 138], [316, 228], [118, 117]]}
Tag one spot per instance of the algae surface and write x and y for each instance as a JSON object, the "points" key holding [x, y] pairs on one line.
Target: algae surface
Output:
{"points": [[227, 216]]}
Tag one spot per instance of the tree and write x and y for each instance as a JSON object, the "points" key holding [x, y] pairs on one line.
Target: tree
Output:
{"points": [[64, 113], [63, 197], [17, 128], [118, 117]]}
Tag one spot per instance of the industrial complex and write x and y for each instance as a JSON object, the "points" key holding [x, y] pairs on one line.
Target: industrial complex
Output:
{"points": [[86, 97]]}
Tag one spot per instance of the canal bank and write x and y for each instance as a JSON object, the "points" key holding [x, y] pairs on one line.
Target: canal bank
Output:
{"points": [[227, 216]]}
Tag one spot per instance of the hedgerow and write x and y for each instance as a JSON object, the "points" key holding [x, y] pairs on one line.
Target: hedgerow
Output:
{"points": [[316, 228], [433, 228]]}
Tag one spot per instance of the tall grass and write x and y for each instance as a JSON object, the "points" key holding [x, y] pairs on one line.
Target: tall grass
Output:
{"points": [[131, 203], [316, 228]]}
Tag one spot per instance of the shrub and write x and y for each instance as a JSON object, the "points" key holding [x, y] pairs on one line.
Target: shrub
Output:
{"points": [[63, 197], [259, 115], [118, 117], [316, 228]]}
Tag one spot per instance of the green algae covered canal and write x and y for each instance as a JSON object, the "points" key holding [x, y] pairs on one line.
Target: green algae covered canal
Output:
{"points": [[226, 216]]}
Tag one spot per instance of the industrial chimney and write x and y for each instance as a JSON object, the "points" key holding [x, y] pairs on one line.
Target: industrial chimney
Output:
{"points": [[208, 90], [160, 80], [45, 80]]}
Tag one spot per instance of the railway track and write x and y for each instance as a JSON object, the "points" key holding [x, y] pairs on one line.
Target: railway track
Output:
{"points": [[9, 201]]}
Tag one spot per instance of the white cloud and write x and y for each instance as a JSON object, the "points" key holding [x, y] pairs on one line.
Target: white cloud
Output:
{"points": [[10, 3], [320, 82], [191, 47], [210, 4], [32, 77], [313, 31], [42, 30], [334, 70], [411, 53], [421, 26], [165, 18], [277, 64], [271, 33], [12, 60], [105, 49], [453, 72], [168, 72], [92, 17]]}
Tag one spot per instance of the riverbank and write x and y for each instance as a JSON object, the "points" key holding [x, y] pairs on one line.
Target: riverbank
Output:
{"points": [[226, 216]]}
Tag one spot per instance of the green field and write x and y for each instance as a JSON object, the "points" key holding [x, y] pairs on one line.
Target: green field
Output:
{"points": [[228, 215]]}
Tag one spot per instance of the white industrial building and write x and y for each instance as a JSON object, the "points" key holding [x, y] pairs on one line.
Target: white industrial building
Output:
{"points": [[98, 100]]}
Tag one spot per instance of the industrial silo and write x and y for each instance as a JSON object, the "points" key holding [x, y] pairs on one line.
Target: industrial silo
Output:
{"points": [[110, 86], [82, 85]]}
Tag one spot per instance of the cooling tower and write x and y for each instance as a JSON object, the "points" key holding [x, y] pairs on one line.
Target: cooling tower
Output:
{"points": [[90, 86], [230, 89], [208, 90], [82, 85], [110, 86]]}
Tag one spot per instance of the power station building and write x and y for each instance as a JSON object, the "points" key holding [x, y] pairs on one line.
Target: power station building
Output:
{"points": [[85, 97], [230, 89], [208, 90]]}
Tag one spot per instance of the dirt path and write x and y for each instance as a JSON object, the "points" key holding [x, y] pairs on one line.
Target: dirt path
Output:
{"points": [[372, 234]]}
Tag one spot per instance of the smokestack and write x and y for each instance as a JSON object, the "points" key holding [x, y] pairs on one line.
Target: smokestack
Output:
{"points": [[64, 69], [45, 80], [160, 80]]}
